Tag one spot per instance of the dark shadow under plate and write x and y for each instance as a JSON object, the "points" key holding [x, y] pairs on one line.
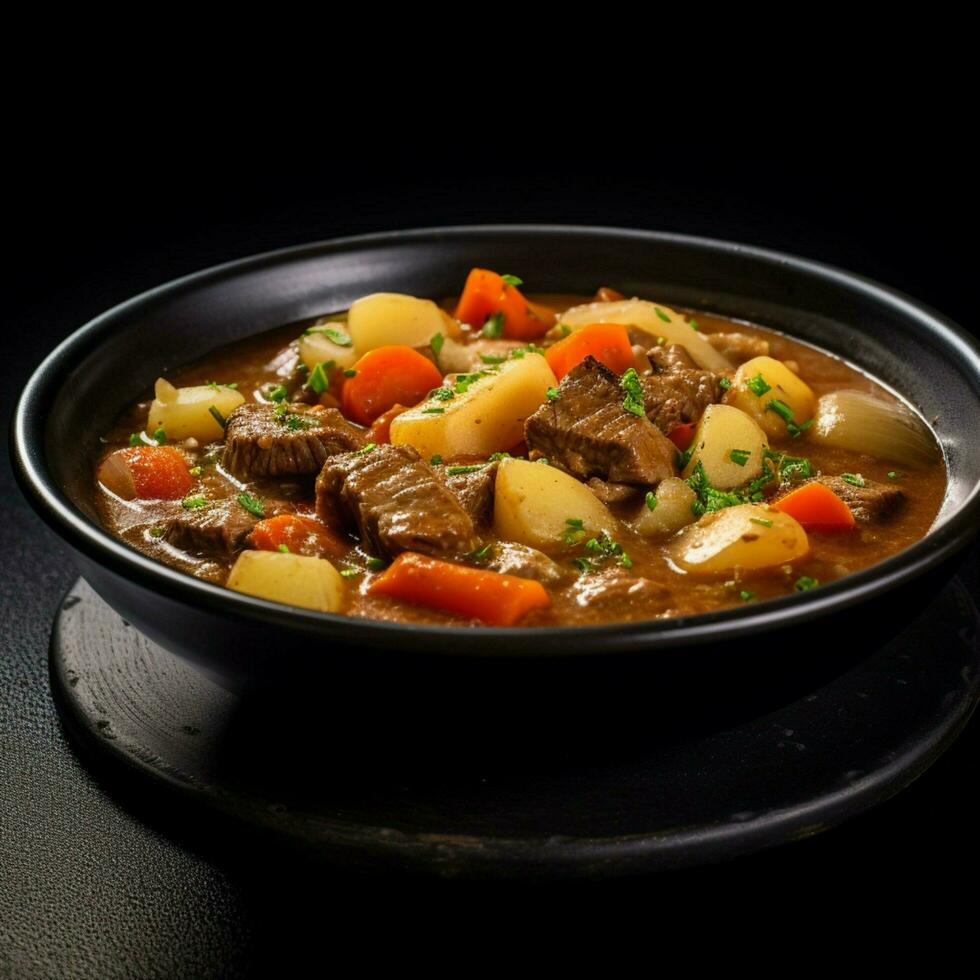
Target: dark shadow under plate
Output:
{"points": [[510, 776]]}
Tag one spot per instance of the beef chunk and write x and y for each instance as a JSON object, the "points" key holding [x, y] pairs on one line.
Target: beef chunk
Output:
{"points": [[474, 490], [678, 390], [259, 443], [394, 499], [511, 558], [739, 347], [622, 594], [872, 502], [586, 431], [611, 493], [218, 530]]}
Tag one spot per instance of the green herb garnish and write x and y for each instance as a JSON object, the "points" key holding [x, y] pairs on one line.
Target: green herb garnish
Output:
{"points": [[761, 520], [350, 373], [194, 502], [630, 384], [436, 460], [252, 504], [339, 336], [564, 329], [443, 394], [351, 572], [433, 411], [893, 474], [218, 417], [780, 408], [804, 583], [739, 456], [278, 393], [436, 344], [651, 500], [724, 384], [284, 548], [454, 470], [494, 326], [663, 316], [552, 394], [855, 479], [481, 554], [575, 531], [495, 456], [319, 381], [364, 450], [160, 436], [134, 439], [745, 596], [492, 359], [195, 471], [693, 324], [157, 532], [757, 385], [376, 564], [512, 280]]}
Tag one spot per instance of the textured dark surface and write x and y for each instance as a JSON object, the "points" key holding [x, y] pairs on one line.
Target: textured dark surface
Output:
{"points": [[97, 881]]}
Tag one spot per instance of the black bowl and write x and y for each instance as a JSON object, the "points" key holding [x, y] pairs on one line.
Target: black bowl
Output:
{"points": [[78, 390]]}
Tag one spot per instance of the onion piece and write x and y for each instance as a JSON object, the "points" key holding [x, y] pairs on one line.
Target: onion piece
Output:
{"points": [[116, 476], [864, 424]]}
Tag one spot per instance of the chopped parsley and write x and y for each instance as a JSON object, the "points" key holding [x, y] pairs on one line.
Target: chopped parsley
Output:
{"points": [[364, 450], [564, 329], [494, 326], [724, 384], [552, 394], [278, 393], [651, 500], [252, 504], [375, 564], [795, 430], [218, 417], [630, 384], [160, 436], [780, 408], [319, 381], [443, 394], [543, 460], [195, 471], [693, 324], [436, 344], [495, 456], [284, 548], [893, 475], [663, 316], [761, 520], [492, 359], [512, 280], [481, 554], [157, 532], [454, 470], [681, 459], [758, 385], [790, 468], [350, 373], [436, 460], [518, 353], [804, 583], [433, 411], [463, 381], [575, 531], [855, 479], [601, 549], [339, 336], [194, 502], [745, 596], [351, 572], [583, 565], [134, 439], [661, 341], [707, 497], [739, 456]]}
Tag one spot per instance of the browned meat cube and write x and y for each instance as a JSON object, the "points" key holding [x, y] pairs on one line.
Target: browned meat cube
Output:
{"points": [[217, 530], [871, 502], [586, 431], [678, 391], [395, 501], [264, 440], [474, 490]]}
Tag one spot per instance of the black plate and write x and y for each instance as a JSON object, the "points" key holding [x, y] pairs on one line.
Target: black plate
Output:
{"points": [[76, 393], [693, 777]]}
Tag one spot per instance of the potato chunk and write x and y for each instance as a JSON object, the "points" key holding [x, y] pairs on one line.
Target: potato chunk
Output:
{"points": [[296, 580], [654, 319], [487, 417], [729, 445], [382, 319], [320, 346], [749, 537], [534, 502], [185, 413], [763, 380], [670, 512]]}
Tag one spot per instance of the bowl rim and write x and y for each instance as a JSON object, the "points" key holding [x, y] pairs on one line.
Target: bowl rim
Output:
{"points": [[93, 542]]}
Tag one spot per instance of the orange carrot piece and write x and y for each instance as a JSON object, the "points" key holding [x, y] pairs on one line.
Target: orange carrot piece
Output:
{"points": [[380, 431], [295, 533], [486, 294], [608, 343], [385, 377], [682, 434], [147, 472], [817, 508], [500, 600]]}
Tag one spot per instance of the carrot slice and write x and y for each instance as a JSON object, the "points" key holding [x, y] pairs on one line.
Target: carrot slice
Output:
{"points": [[608, 343], [295, 533], [817, 508], [380, 431], [500, 600], [385, 377], [147, 472], [486, 294], [682, 434]]}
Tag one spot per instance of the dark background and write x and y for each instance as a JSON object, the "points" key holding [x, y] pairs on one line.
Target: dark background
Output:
{"points": [[87, 886]]}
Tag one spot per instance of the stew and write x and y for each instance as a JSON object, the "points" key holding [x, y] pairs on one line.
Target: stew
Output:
{"points": [[505, 460]]}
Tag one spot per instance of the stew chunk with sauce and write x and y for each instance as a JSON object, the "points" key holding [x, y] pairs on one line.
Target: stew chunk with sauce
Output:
{"points": [[504, 460]]}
